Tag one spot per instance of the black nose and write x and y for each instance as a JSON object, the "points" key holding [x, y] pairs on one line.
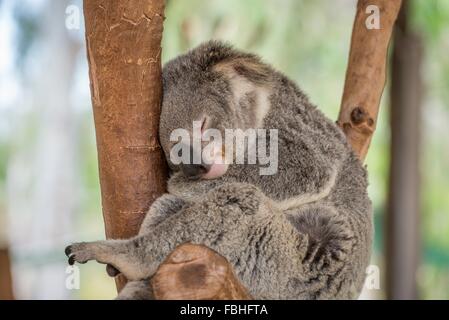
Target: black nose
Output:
{"points": [[194, 171]]}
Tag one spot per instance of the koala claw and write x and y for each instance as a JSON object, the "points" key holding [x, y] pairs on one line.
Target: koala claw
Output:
{"points": [[78, 252], [68, 250]]}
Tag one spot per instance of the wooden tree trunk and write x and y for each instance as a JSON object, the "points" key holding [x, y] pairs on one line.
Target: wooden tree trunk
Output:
{"points": [[402, 219], [124, 53]]}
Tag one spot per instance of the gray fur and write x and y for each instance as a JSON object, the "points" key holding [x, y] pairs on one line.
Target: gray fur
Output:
{"points": [[303, 233]]}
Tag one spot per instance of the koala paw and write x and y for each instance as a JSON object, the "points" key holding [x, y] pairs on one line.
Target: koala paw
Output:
{"points": [[79, 252]]}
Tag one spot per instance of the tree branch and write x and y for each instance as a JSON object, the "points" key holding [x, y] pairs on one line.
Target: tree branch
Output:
{"points": [[365, 76]]}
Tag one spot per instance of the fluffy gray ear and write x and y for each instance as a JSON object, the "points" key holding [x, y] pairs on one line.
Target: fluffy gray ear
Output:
{"points": [[250, 83]]}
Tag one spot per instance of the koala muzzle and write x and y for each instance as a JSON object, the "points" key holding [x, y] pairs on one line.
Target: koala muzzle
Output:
{"points": [[211, 169], [192, 170]]}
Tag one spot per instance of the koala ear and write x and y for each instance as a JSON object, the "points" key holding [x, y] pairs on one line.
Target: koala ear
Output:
{"points": [[250, 83]]}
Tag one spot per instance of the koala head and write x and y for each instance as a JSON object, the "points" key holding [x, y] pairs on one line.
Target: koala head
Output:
{"points": [[218, 88]]}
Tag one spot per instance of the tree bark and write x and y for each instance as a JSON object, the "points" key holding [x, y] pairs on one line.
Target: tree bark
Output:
{"points": [[402, 219], [365, 76], [124, 53]]}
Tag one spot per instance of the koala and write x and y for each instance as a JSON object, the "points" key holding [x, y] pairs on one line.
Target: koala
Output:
{"points": [[304, 232]]}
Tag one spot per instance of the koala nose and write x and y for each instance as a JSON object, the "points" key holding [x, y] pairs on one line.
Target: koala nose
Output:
{"points": [[194, 171]]}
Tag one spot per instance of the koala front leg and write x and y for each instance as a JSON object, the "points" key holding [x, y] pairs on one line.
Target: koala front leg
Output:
{"points": [[120, 254], [127, 256], [137, 258], [163, 207]]}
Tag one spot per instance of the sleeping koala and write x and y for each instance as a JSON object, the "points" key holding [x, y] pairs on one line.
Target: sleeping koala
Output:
{"points": [[304, 232]]}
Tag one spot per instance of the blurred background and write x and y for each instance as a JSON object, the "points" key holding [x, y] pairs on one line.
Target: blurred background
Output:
{"points": [[49, 186]]}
